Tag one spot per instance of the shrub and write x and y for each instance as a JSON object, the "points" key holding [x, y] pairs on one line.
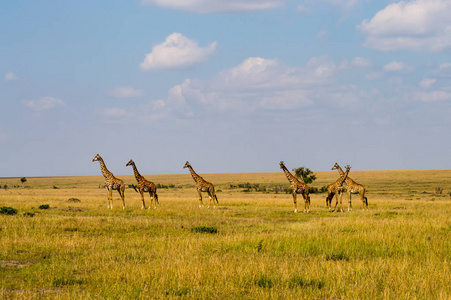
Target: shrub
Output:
{"points": [[337, 256], [8, 210], [204, 229], [28, 214], [315, 190], [58, 282], [44, 206]]}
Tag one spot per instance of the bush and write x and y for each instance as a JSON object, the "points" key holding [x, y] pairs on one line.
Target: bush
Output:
{"points": [[204, 229], [28, 214], [44, 206], [8, 210], [315, 190]]}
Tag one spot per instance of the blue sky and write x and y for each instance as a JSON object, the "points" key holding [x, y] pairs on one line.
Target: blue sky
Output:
{"points": [[231, 86]]}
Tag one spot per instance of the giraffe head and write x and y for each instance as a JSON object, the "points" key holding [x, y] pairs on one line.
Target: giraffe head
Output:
{"points": [[282, 165], [335, 167], [130, 163], [187, 164], [348, 168], [96, 158]]}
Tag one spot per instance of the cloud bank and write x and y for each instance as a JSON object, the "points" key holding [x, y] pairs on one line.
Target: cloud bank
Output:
{"points": [[10, 76], [176, 52], [421, 25], [44, 104], [126, 92], [216, 6]]}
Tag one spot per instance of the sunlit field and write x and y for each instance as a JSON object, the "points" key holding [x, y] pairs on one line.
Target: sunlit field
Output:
{"points": [[251, 246]]}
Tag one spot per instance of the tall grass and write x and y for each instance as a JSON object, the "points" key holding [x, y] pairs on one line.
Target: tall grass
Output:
{"points": [[252, 246]]}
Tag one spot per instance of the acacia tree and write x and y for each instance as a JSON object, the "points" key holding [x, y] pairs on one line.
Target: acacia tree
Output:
{"points": [[305, 174], [23, 180]]}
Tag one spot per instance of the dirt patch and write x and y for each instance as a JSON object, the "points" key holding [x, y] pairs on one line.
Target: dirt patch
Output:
{"points": [[13, 263]]}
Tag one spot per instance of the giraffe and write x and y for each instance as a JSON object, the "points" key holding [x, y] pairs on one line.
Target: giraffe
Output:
{"points": [[202, 186], [353, 187], [144, 186], [111, 182], [336, 189], [297, 187]]}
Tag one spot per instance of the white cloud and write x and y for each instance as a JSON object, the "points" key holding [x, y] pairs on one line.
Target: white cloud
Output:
{"points": [[427, 83], [396, 66], [356, 62], [214, 6], [422, 25], [10, 76], [126, 92], [445, 65], [374, 75], [322, 33], [256, 85], [346, 4], [114, 112], [360, 62], [44, 104], [302, 8], [177, 51], [434, 96]]}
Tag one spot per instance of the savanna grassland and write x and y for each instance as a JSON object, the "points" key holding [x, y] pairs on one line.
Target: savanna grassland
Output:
{"points": [[250, 247]]}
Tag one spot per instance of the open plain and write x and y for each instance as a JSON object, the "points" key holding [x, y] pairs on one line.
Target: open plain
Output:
{"points": [[252, 246]]}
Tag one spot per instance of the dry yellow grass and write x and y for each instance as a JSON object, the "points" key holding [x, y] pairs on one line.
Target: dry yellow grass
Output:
{"points": [[399, 248]]}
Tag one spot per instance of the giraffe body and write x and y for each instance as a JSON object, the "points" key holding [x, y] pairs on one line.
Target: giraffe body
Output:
{"points": [[202, 186], [336, 189], [297, 187], [111, 183], [353, 187], [145, 186]]}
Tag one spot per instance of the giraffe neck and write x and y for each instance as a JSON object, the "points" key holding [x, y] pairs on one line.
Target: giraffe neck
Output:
{"points": [[290, 176], [107, 174], [343, 177], [196, 177], [340, 170], [137, 175]]}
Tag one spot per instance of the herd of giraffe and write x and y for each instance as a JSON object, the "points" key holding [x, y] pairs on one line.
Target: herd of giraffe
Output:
{"points": [[297, 187]]}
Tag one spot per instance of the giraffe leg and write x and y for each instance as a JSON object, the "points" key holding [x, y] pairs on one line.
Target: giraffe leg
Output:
{"points": [[156, 199], [349, 202], [209, 199], [294, 201], [153, 201], [212, 196], [122, 193], [142, 199], [110, 197], [336, 201], [341, 204], [329, 201], [200, 198], [364, 200], [306, 202]]}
